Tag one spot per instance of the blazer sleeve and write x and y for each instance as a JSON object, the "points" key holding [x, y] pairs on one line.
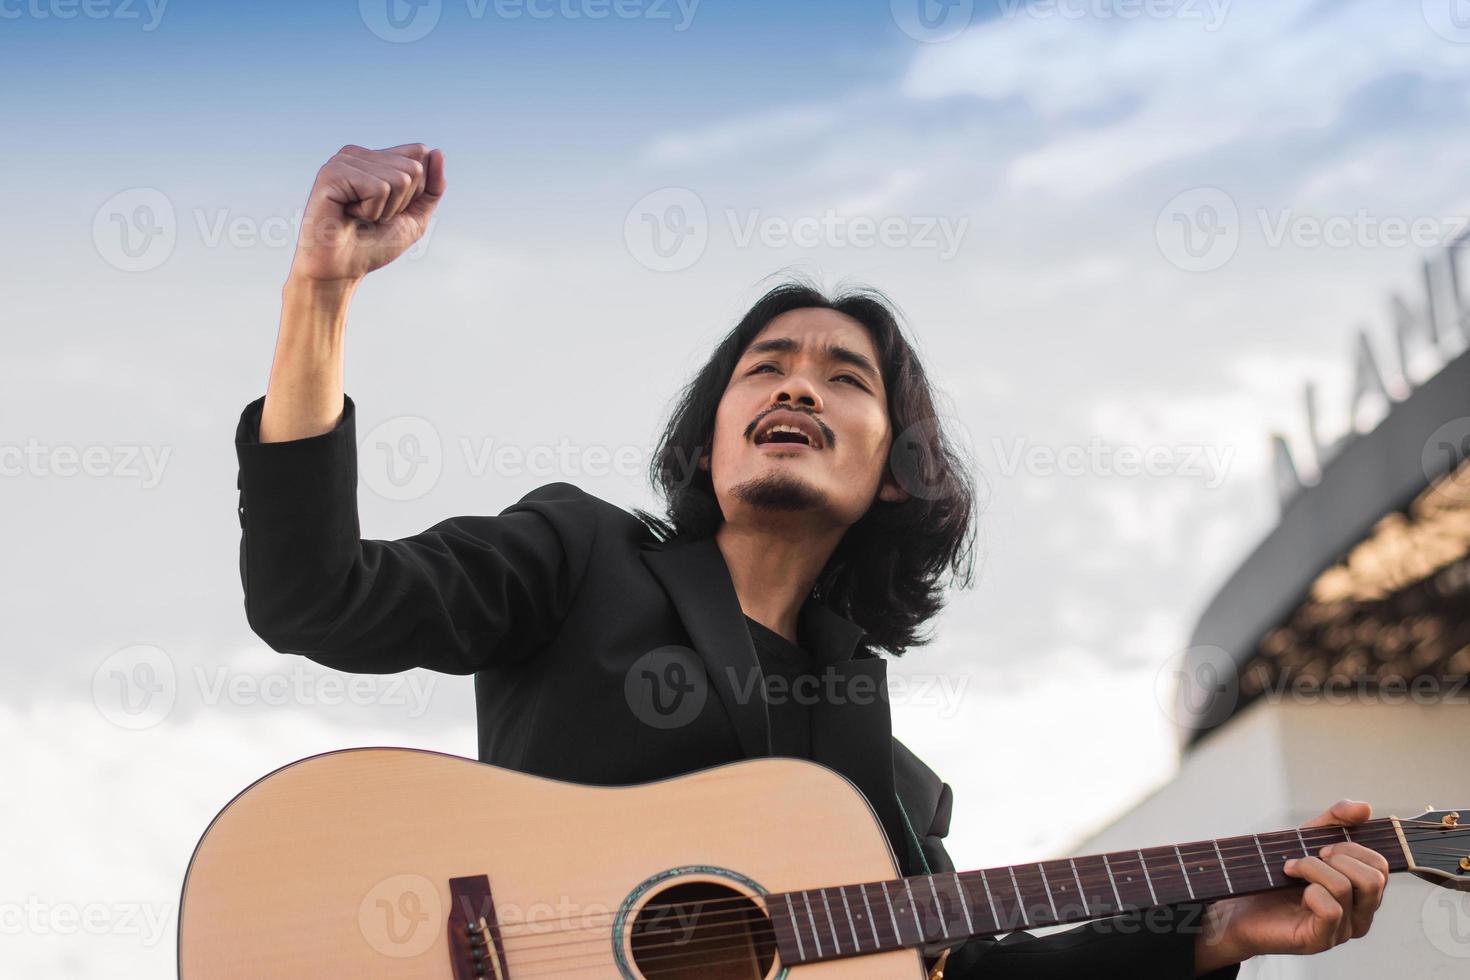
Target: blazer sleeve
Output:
{"points": [[1153, 945], [467, 593]]}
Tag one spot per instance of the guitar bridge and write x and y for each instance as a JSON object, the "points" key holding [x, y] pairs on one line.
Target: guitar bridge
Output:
{"points": [[475, 947]]}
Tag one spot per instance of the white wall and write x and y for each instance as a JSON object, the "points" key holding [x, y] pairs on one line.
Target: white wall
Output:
{"points": [[1280, 763]]}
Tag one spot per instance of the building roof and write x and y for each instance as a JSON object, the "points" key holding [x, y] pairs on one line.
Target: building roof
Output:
{"points": [[1364, 582]]}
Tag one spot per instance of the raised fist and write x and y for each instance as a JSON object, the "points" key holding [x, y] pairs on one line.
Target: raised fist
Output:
{"points": [[366, 208]]}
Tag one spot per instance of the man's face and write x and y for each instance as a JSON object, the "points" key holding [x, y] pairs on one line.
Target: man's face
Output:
{"points": [[814, 370]]}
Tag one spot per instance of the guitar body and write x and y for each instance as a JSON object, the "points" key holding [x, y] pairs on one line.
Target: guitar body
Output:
{"points": [[341, 865]]}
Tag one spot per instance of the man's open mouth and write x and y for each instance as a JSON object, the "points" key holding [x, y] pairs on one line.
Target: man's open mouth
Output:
{"points": [[789, 428]]}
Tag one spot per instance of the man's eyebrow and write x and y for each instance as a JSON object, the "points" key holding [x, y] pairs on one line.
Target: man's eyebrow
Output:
{"points": [[786, 345]]}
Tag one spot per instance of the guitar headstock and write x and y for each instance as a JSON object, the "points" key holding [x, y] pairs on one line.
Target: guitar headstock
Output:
{"points": [[1438, 842]]}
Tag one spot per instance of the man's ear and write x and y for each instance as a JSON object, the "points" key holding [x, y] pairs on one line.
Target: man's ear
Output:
{"points": [[703, 460], [890, 491]]}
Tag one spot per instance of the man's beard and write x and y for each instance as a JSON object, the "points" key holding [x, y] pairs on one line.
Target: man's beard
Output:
{"points": [[778, 491]]}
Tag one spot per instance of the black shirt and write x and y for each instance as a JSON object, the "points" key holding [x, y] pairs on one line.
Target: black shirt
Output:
{"points": [[788, 696]]}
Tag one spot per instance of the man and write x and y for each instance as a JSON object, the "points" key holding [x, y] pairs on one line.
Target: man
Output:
{"points": [[814, 517]]}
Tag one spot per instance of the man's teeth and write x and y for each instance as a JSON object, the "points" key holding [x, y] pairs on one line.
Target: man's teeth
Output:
{"points": [[793, 430]]}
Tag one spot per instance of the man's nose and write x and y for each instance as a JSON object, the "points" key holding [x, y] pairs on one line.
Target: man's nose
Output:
{"points": [[797, 390]]}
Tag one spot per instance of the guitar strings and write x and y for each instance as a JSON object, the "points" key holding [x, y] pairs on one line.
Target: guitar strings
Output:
{"points": [[1091, 877], [750, 913], [1244, 851], [750, 916], [648, 965]]}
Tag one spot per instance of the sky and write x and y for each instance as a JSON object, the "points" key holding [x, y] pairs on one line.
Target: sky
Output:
{"points": [[1117, 229]]}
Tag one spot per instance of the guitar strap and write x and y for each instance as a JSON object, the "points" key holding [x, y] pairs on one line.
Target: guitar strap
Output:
{"points": [[913, 837], [937, 973]]}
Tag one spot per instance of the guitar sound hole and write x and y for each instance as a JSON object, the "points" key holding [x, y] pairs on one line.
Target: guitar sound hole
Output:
{"points": [[702, 929]]}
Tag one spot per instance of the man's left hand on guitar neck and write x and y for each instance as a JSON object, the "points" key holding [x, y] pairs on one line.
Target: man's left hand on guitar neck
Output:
{"points": [[1345, 884]]}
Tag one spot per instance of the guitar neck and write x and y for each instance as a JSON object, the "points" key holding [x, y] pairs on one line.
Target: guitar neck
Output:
{"points": [[856, 920]]}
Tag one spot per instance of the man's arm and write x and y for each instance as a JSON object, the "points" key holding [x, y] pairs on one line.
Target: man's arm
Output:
{"points": [[466, 593], [365, 209]]}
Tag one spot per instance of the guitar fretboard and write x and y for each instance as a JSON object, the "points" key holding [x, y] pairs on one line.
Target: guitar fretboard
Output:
{"points": [[856, 920]]}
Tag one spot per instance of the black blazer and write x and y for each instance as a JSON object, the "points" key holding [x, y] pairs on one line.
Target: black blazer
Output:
{"points": [[601, 655]]}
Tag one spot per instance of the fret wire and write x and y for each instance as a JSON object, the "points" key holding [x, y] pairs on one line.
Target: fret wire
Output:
{"points": [[1081, 896], [1228, 885], [1020, 902], [816, 937], [1306, 851], [897, 935], [795, 929], [872, 922], [994, 908], [1049, 900], [938, 909], [851, 926], [1113, 881], [1269, 880], [1142, 863], [914, 908], [1187, 883], [965, 905], [836, 943]]}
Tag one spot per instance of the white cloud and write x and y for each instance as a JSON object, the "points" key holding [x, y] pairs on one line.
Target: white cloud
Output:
{"points": [[1269, 69]]}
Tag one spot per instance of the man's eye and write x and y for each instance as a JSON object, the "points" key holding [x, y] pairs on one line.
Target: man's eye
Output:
{"points": [[852, 379], [759, 366]]}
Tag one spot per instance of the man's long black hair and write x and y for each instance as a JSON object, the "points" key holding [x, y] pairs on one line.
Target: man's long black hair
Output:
{"points": [[889, 572]]}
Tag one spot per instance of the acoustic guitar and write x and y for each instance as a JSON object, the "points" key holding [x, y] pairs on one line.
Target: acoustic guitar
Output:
{"points": [[394, 863]]}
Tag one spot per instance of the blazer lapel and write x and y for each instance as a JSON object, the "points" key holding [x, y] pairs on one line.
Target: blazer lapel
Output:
{"points": [[852, 732], [697, 580], [851, 728]]}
